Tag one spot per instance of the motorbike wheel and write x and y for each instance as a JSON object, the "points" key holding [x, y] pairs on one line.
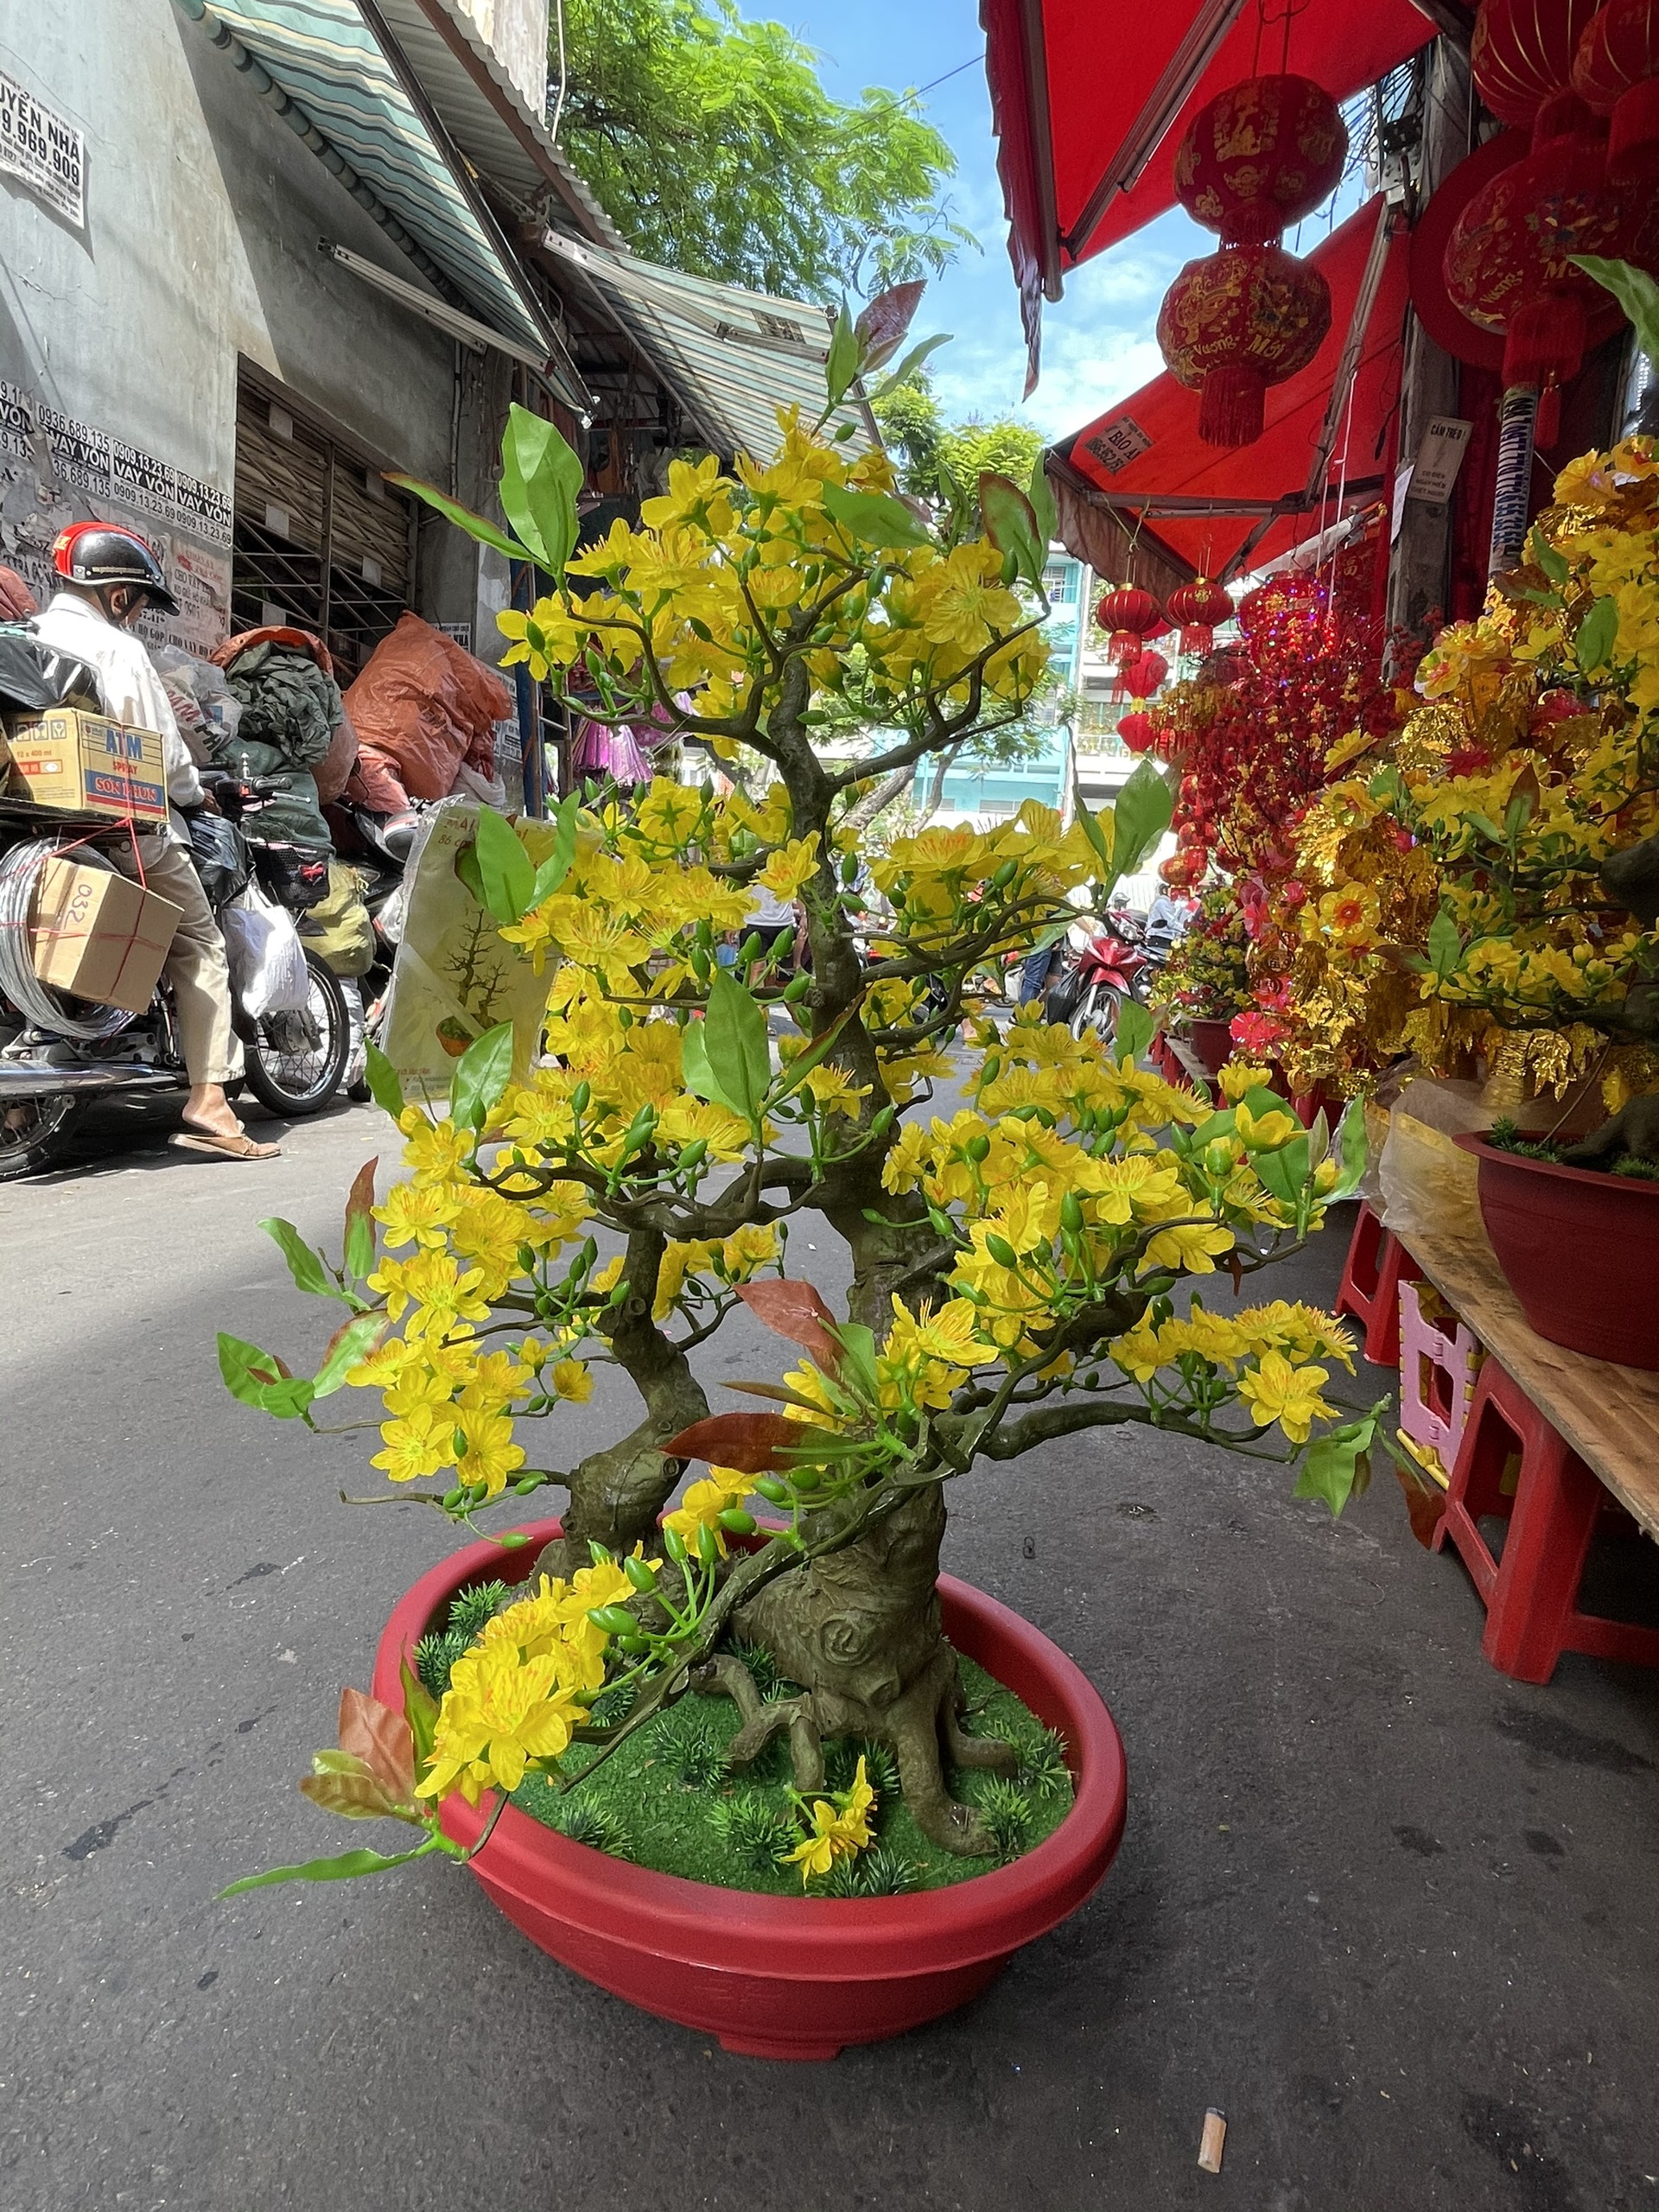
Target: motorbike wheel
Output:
{"points": [[292, 1084], [34, 1132], [1097, 1011]]}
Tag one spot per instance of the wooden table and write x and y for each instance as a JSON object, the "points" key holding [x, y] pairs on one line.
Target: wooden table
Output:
{"points": [[1609, 1415]]}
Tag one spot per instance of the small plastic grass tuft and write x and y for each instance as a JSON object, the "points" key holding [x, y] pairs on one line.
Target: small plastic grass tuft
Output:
{"points": [[583, 1821], [695, 1756], [763, 1668], [840, 1760], [1043, 1765], [614, 1706], [756, 1835], [1006, 1813], [434, 1654], [469, 1609], [884, 1873]]}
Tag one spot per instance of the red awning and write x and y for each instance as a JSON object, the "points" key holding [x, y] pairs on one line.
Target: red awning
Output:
{"points": [[1211, 505], [1089, 99]]}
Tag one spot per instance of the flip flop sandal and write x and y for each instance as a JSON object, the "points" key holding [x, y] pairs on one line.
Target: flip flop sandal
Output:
{"points": [[241, 1146]]}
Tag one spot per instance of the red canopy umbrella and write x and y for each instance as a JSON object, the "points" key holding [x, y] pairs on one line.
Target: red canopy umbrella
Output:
{"points": [[1089, 104], [1206, 504]]}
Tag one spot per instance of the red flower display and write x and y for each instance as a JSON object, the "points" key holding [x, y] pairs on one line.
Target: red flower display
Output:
{"points": [[1616, 73], [1200, 607], [1263, 154], [1236, 323]]}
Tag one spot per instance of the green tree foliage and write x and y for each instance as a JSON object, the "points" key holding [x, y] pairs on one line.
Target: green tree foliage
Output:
{"points": [[709, 140], [928, 450]]}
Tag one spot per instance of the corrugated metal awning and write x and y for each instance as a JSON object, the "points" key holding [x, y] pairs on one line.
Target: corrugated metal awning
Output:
{"points": [[346, 77], [733, 357]]}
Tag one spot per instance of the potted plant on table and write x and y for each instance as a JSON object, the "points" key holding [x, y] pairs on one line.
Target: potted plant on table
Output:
{"points": [[1018, 1273], [1205, 981]]}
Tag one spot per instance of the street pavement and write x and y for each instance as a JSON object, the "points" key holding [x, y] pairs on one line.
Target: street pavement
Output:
{"points": [[1396, 1916]]}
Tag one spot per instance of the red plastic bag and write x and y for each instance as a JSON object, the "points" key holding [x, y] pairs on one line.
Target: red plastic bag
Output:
{"points": [[427, 702], [333, 771], [375, 783]]}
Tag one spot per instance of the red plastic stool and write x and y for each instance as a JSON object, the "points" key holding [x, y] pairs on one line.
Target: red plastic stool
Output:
{"points": [[1552, 1505], [1378, 1262]]}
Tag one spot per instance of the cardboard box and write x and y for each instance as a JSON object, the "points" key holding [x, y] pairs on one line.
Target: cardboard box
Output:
{"points": [[84, 764], [94, 934]]}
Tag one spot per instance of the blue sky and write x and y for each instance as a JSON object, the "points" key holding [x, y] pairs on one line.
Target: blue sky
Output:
{"points": [[1097, 342], [1098, 345]]}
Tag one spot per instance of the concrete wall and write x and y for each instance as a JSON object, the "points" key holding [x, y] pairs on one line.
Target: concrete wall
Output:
{"points": [[203, 213], [517, 31]]}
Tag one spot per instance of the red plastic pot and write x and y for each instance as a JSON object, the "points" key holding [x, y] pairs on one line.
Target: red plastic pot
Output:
{"points": [[783, 1977], [1210, 1043], [1580, 1250]]}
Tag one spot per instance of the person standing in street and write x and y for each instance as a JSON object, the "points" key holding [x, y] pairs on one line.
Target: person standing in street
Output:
{"points": [[109, 576]]}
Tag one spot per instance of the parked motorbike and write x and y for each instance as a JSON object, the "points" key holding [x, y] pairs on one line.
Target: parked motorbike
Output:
{"points": [[378, 846], [1095, 978], [58, 1054]]}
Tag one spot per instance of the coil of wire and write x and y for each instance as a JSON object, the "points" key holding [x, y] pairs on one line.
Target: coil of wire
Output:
{"points": [[20, 871]]}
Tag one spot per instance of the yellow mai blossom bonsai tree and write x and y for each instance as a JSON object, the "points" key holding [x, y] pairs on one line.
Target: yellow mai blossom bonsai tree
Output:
{"points": [[1020, 1266]]}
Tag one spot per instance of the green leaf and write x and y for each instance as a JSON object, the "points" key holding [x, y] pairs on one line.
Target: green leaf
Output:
{"points": [[359, 1222], [463, 517], [1597, 635], [1134, 1031], [481, 1075], [1353, 1152], [814, 1055], [1011, 527], [1443, 946], [1633, 290], [1140, 817], [259, 1378], [1553, 563], [873, 518], [420, 1711], [694, 1063], [1335, 1466], [504, 874], [352, 1342], [467, 872], [737, 1045], [912, 361], [540, 479], [303, 1264], [1040, 493], [384, 1086], [554, 869], [841, 363], [858, 1360], [1283, 1173], [344, 1868]]}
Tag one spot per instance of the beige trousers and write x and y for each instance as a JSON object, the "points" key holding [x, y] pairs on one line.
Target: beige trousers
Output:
{"points": [[196, 966]]}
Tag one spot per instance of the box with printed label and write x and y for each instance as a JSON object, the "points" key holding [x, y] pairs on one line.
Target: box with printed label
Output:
{"points": [[97, 936], [84, 764]]}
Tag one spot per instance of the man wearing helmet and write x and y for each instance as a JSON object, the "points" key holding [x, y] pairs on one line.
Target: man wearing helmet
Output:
{"points": [[109, 576]]}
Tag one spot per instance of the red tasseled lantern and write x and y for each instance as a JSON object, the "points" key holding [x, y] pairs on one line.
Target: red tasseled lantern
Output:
{"points": [[1127, 609], [1263, 154], [1521, 52], [1200, 607], [1506, 262], [1616, 73], [1144, 674], [1136, 730], [1235, 323]]}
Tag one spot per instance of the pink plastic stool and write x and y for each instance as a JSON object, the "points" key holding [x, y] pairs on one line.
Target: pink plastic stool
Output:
{"points": [[1438, 1368], [1531, 1594], [1377, 1263]]}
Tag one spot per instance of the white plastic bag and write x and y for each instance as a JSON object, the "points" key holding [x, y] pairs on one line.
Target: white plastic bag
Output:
{"points": [[267, 959]]}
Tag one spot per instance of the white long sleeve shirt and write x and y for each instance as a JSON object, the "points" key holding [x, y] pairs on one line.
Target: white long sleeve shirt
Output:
{"points": [[131, 691]]}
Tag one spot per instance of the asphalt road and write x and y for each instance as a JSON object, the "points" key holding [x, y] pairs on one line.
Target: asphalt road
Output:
{"points": [[1396, 1916]]}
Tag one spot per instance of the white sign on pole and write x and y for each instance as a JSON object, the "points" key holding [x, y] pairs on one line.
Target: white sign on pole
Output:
{"points": [[48, 154], [1439, 457]]}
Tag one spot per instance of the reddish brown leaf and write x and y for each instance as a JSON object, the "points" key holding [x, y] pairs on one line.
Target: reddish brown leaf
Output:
{"points": [[354, 1797], [380, 1737], [796, 1310], [880, 329], [1425, 1502], [755, 1443], [359, 1221]]}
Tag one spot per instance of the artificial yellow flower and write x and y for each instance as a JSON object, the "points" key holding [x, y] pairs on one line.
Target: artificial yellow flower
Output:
{"points": [[573, 1381], [489, 1455], [420, 1442], [1274, 1390], [501, 1711]]}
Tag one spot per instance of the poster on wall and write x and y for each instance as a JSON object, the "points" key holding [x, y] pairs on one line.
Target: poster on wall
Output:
{"points": [[43, 151], [55, 470]]}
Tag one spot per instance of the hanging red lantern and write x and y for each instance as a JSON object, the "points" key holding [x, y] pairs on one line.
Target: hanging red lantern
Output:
{"points": [[1263, 154], [1507, 265], [1200, 607], [1521, 52], [1236, 323], [1128, 611], [1291, 595], [1136, 730], [1144, 674], [1616, 73]]}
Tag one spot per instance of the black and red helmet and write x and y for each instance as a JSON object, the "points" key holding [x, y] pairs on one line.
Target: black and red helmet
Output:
{"points": [[101, 553]]}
